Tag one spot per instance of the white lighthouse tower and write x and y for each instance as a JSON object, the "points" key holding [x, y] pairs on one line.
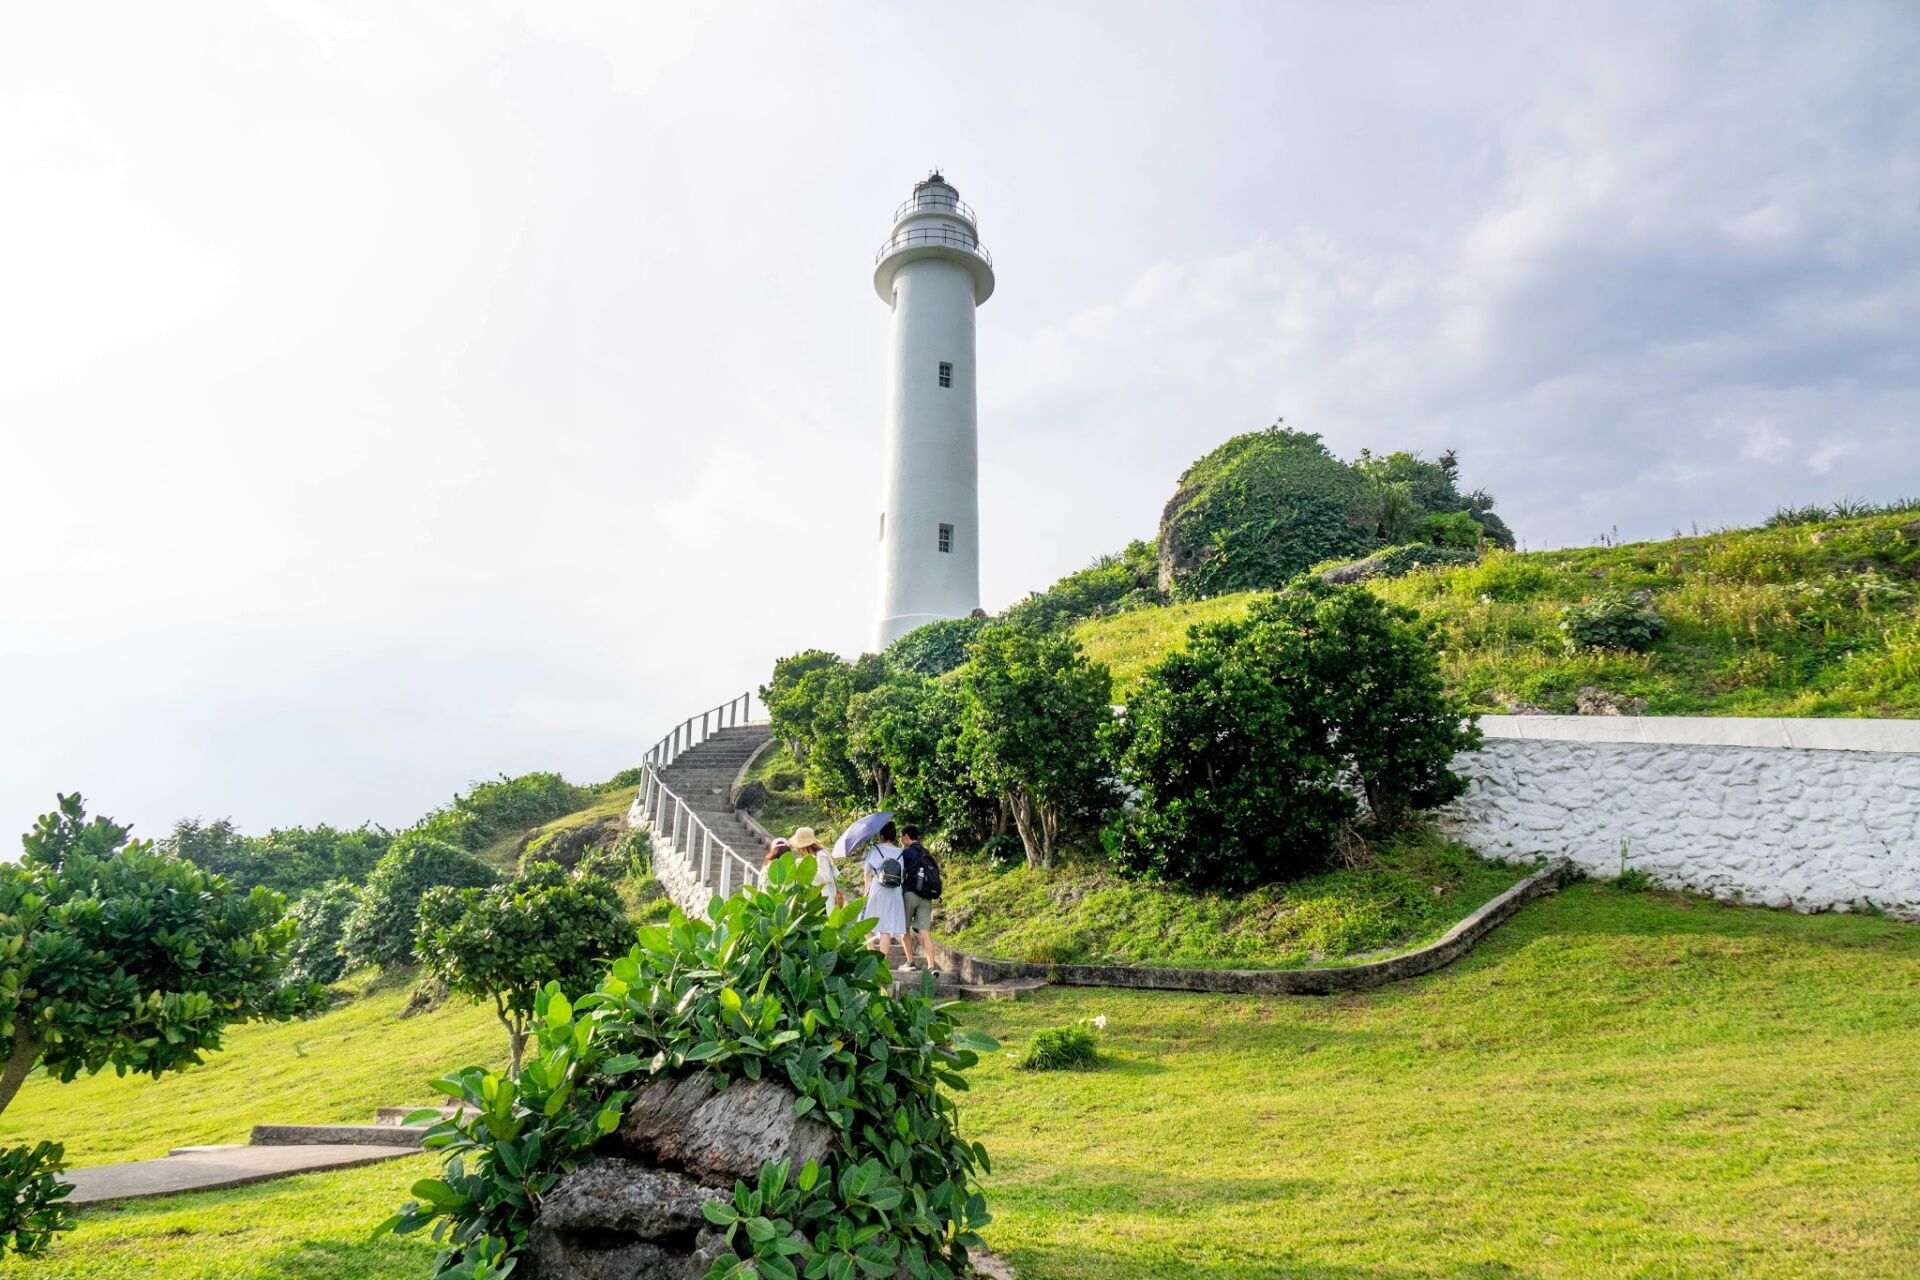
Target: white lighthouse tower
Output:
{"points": [[933, 273]]}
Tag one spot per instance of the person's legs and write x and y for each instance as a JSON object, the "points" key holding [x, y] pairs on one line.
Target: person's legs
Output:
{"points": [[919, 921]]}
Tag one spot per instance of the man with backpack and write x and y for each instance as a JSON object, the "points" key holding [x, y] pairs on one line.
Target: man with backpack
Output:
{"points": [[921, 880]]}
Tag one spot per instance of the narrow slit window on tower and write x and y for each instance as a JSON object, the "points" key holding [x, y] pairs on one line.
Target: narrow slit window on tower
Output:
{"points": [[946, 537], [946, 374], [883, 526]]}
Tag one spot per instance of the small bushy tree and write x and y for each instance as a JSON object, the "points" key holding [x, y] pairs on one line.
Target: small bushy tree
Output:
{"points": [[503, 943], [489, 810], [320, 918], [113, 954], [793, 694], [1032, 707], [381, 928], [289, 860], [893, 736], [1245, 750]]}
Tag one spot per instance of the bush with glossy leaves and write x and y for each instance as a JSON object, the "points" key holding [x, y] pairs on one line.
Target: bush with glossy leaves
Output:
{"points": [[32, 1211], [777, 985], [382, 926]]}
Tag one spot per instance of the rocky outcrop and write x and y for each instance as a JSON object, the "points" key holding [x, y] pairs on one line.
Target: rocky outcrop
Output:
{"points": [[725, 1134], [1592, 700], [633, 1212]]}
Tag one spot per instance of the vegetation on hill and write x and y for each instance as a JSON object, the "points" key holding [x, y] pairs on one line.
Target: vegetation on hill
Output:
{"points": [[1610, 1084], [1796, 619], [1403, 894], [1264, 506]]}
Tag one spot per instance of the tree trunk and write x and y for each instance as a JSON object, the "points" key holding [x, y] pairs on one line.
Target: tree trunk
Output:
{"points": [[516, 1036], [1003, 819], [1049, 832], [1023, 818], [26, 1052]]}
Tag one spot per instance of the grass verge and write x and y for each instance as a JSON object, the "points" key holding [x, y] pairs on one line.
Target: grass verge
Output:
{"points": [[1079, 912]]}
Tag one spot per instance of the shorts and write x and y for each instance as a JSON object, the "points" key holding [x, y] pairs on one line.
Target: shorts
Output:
{"points": [[919, 912]]}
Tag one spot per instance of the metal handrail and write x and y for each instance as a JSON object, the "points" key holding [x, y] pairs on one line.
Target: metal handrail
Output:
{"points": [[689, 837], [732, 712], [958, 239], [948, 204]]}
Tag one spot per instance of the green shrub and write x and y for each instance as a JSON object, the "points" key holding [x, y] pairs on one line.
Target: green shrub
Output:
{"points": [[288, 860], [320, 919], [1258, 510], [778, 985], [505, 942], [490, 810], [1242, 749], [1109, 585], [935, 649], [31, 1193], [1456, 529], [1613, 621], [381, 929], [1061, 1049]]}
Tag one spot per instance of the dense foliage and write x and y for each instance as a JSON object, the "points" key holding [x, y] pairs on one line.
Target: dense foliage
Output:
{"points": [[503, 943], [1032, 708], [290, 860], [1245, 749], [381, 928], [320, 920], [1258, 510], [1612, 621], [1111, 584], [777, 985], [935, 649], [501, 807], [1265, 506]]}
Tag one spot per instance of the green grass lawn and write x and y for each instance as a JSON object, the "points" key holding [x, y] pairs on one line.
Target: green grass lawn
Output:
{"points": [[1612, 1084], [1079, 912], [1802, 620]]}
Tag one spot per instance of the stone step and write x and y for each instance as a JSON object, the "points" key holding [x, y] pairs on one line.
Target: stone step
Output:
{"points": [[394, 1115], [365, 1135]]}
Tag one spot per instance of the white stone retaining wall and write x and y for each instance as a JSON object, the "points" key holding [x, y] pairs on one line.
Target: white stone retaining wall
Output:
{"points": [[1812, 814]]}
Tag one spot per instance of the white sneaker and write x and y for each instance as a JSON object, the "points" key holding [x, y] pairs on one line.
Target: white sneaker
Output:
{"points": [[908, 967]]}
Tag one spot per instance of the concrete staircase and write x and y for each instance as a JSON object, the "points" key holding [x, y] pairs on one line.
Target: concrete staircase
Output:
{"points": [[701, 845]]}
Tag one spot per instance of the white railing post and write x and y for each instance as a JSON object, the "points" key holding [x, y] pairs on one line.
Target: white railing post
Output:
{"points": [[725, 867]]}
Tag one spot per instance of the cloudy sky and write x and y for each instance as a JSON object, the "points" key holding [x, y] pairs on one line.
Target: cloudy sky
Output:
{"points": [[392, 395]]}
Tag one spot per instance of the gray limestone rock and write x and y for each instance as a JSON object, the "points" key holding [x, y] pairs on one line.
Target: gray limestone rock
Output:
{"points": [[554, 1255], [627, 1197], [723, 1135]]}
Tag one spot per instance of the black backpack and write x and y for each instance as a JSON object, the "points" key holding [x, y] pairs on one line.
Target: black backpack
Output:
{"points": [[890, 874], [923, 873]]}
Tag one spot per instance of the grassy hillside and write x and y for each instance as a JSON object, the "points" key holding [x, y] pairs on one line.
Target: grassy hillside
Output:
{"points": [[1612, 1084], [1804, 620], [1079, 912]]}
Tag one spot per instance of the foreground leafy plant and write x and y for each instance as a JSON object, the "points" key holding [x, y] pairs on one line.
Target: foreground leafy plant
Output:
{"points": [[775, 986], [31, 1192]]}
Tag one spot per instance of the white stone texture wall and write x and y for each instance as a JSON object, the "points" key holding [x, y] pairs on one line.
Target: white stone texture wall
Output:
{"points": [[1814, 815]]}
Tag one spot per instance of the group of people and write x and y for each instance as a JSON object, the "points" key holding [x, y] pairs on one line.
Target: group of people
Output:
{"points": [[900, 881]]}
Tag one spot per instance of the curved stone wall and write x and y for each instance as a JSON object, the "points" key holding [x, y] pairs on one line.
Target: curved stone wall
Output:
{"points": [[1811, 814]]}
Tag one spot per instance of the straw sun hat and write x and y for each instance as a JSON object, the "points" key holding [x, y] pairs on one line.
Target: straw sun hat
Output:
{"points": [[803, 840]]}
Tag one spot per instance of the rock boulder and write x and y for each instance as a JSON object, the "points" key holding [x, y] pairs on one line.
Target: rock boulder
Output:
{"points": [[721, 1135]]}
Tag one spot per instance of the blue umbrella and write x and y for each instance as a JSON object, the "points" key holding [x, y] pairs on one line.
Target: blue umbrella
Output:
{"points": [[858, 832]]}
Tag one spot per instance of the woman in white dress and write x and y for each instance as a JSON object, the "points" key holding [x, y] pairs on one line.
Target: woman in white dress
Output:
{"points": [[885, 903]]}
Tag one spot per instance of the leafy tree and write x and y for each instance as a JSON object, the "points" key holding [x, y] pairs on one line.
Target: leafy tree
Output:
{"points": [[779, 985], [1244, 749], [1032, 707], [893, 738], [113, 953], [1430, 486], [320, 915], [936, 648], [381, 928], [793, 693], [505, 942], [1457, 529]]}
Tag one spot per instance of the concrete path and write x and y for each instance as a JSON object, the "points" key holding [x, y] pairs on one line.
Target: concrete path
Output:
{"points": [[208, 1168]]}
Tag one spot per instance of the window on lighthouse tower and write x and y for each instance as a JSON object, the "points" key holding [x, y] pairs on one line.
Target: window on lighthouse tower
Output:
{"points": [[946, 537], [946, 374]]}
